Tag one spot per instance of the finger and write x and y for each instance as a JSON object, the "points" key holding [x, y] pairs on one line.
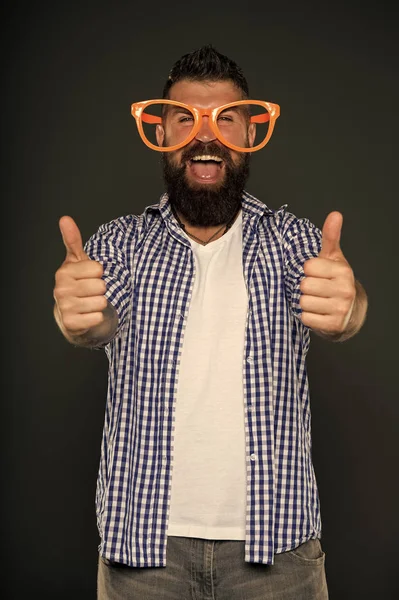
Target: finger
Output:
{"points": [[91, 304], [79, 323], [331, 235], [325, 323], [90, 287], [317, 286], [72, 239], [316, 305], [85, 269], [326, 268]]}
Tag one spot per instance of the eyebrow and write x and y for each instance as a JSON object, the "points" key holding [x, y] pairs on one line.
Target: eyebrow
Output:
{"points": [[174, 108], [232, 108], [239, 108]]}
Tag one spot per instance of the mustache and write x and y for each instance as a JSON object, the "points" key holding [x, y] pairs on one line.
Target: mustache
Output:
{"points": [[211, 149]]}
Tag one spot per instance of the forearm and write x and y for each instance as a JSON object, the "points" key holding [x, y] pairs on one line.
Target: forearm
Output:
{"points": [[95, 336], [356, 320]]}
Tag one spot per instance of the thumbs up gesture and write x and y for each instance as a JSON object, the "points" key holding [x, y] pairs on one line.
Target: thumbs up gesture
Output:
{"points": [[79, 290], [328, 289]]}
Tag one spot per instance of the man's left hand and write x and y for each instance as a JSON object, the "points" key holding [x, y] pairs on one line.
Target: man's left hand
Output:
{"points": [[328, 289]]}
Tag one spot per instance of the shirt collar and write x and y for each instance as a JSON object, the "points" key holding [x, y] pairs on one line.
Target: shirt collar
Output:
{"points": [[252, 208]]}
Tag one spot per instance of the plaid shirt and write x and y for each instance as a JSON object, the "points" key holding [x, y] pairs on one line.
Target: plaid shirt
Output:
{"points": [[149, 270]]}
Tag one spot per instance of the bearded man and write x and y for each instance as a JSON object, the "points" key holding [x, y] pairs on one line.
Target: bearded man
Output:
{"points": [[204, 305]]}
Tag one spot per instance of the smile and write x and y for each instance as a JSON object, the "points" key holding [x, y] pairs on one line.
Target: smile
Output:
{"points": [[206, 168]]}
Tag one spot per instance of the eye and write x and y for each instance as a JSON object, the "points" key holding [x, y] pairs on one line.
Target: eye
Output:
{"points": [[225, 118], [185, 119]]}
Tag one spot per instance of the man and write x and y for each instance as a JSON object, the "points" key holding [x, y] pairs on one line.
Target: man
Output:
{"points": [[204, 305]]}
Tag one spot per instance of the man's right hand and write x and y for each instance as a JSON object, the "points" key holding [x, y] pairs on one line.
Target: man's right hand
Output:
{"points": [[79, 290]]}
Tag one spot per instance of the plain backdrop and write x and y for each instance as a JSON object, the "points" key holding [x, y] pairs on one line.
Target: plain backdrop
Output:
{"points": [[70, 146]]}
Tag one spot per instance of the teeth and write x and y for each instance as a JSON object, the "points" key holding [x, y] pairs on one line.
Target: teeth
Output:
{"points": [[207, 157]]}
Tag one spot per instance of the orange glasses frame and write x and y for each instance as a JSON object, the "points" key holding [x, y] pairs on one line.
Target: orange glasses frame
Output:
{"points": [[138, 108]]}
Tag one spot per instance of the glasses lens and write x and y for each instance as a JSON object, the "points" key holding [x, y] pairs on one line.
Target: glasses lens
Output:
{"points": [[233, 124], [177, 123]]}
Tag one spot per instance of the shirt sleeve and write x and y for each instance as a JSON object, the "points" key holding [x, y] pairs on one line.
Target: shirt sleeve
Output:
{"points": [[110, 246], [302, 241]]}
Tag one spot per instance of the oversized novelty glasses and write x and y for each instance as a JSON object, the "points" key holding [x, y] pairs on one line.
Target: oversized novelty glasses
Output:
{"points": [[180, 123]]}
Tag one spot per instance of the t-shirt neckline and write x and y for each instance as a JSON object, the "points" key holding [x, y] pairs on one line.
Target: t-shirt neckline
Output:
{"points": [[220, 240]]}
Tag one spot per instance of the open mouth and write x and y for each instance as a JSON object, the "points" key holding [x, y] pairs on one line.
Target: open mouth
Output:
{"points": [[206, 168]]}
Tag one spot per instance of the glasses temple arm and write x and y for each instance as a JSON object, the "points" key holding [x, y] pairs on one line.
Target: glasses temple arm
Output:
{"points": [[150, 118], [260, 118]]}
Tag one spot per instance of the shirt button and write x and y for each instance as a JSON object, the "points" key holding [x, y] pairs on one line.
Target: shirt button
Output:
{"points": [[250, 359], [253, 457]]}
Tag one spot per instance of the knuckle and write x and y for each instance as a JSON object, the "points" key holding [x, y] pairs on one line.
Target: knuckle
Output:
{"points": [[66, 309], [348, 293], [97, 268], [99, 318], [307, 265], [337, 323], [59, 292], [94, 319], [347, 271], [69, 322], [103, 302], [64, 296], [60, 274], [347, 274], [342, 309]]}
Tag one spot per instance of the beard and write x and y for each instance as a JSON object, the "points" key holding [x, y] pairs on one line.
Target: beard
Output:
{"points": [[206, 205]]}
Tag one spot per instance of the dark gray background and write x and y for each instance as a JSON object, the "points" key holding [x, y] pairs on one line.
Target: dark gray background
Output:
{"points": [[70, 146]]}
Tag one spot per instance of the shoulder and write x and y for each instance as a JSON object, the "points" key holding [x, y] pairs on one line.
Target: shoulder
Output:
{"points": [[283, 220], [120, 225], [292, 225], [283, 227]]}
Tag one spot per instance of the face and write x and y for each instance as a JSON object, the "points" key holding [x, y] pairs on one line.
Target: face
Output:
{"points": [[205, 193]]}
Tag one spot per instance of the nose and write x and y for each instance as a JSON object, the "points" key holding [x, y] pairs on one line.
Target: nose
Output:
{"points": [[205, 133]]}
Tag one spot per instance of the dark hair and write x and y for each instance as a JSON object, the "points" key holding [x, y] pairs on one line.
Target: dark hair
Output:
{"points": [[206, 64]]}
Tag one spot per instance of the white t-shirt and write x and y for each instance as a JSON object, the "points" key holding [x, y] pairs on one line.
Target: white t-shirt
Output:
{"points": [[208, 495]]}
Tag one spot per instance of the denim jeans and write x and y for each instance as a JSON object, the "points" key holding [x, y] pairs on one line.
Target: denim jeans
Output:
{"points": [[199, 569]]}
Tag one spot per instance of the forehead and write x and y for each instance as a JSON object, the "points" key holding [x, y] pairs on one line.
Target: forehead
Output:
{"points": [[205, 94]]}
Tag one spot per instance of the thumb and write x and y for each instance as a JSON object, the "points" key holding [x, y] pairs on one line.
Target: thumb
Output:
{"points": [[72, 240], [331, 235]]}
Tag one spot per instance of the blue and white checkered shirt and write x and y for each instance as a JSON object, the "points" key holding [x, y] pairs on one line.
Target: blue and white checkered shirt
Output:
{"points": [[149, 270]]}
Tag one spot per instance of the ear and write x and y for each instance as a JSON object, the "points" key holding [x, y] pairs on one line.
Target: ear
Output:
{"points": [[251, 133], [160, 134]]}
